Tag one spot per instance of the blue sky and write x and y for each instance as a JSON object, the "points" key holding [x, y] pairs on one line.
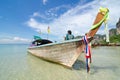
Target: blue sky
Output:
{"points": [[21, 19]]}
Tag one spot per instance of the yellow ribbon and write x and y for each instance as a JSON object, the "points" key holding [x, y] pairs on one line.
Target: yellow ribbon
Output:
{"points": [[104, 11], [105, 18]]}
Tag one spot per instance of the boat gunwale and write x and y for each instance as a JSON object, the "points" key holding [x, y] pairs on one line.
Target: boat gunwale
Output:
{"points": [[51, 44]]}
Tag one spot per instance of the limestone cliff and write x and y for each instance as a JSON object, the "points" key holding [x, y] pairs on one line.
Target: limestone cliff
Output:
{"points": [[118, 26]]}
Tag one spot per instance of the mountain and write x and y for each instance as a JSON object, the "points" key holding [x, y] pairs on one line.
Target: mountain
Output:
{"points": [[118, 26]]}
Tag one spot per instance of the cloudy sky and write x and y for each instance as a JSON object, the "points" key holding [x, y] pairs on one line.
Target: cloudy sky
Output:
{"points": [[20, 20]]}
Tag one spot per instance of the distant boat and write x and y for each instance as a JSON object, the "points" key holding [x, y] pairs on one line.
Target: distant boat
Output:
{"points": [[67, 52]]}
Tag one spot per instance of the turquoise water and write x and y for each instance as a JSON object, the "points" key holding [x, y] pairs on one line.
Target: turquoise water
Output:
{"points": [[17, 64]]}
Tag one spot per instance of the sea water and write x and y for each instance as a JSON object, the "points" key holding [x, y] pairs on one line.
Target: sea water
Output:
{"points": [[17, 64]]}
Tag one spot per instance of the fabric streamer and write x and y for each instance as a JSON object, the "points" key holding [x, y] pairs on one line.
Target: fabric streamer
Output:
{"points": [[48, 29], [107, 32], [105, 18], [104, 10], [87, 53]]}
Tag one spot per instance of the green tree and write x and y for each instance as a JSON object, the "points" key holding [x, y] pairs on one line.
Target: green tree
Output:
{"points": [[115, 38]]}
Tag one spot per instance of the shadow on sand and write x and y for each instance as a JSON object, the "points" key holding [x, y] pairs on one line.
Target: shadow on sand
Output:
{"points": [[96, 69], [78, 65]]}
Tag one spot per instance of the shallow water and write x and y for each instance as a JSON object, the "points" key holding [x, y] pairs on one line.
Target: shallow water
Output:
{"points": [[17, 64]]}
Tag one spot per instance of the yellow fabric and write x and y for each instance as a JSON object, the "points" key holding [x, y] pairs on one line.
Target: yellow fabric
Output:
{"points": [[48, 29], [105, 18], [104, 11]]}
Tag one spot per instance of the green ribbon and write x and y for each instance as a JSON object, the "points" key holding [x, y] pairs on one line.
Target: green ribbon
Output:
{"points": [[96, 25]]}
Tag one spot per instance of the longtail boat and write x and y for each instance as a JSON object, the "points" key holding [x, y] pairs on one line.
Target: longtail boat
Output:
{"points": [[67, 52]]}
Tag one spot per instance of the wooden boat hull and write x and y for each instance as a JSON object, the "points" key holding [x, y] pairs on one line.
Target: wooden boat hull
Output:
{"points": [[64, 53]]}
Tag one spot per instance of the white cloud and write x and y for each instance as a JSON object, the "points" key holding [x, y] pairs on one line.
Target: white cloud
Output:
{"points": [[59, 7], [79, 19], [21, 39], [36, 25], [44, 2], [14, 40], [36, 14], [50, 14]]}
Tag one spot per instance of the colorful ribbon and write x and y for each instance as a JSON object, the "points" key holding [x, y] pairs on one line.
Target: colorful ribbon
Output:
{"points": [[104, 11], [88, 52]]}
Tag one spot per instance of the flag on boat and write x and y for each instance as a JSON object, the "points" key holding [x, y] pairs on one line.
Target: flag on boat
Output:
{"points": [[37, 37], [48, 29]]}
